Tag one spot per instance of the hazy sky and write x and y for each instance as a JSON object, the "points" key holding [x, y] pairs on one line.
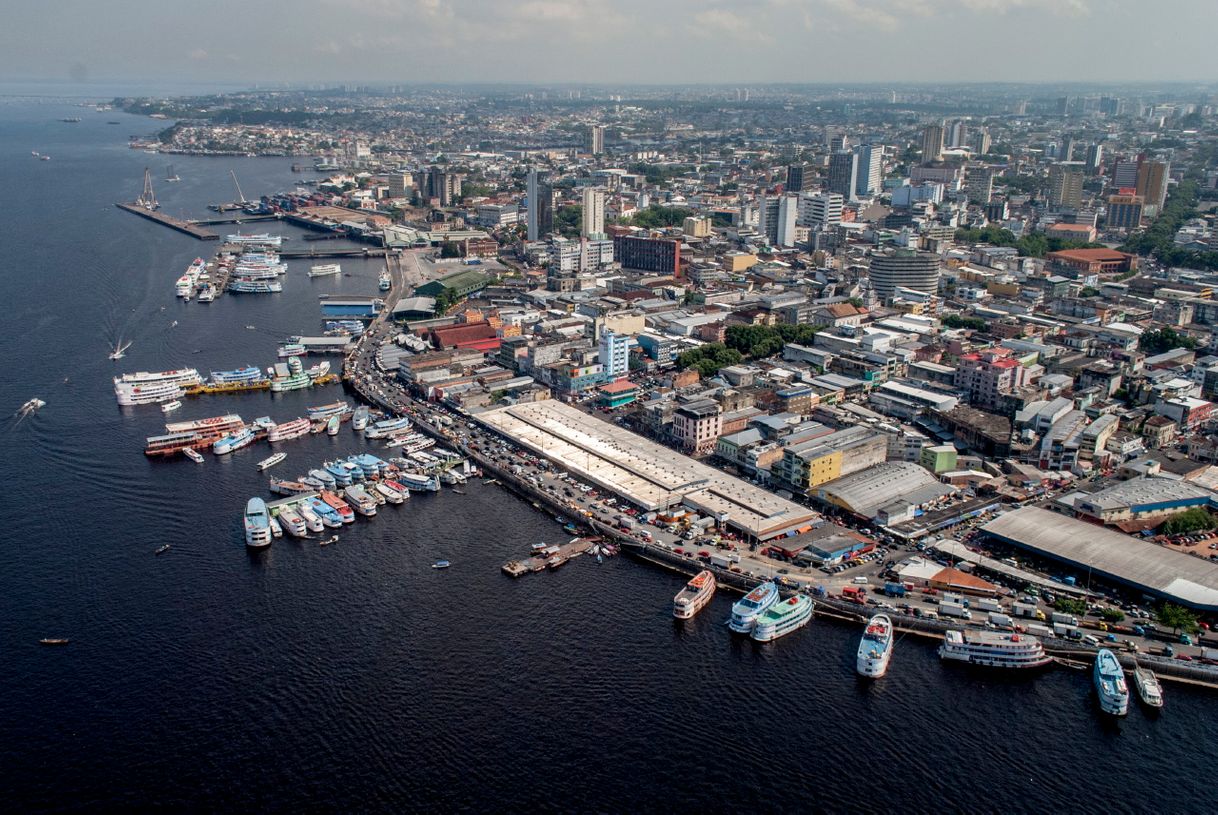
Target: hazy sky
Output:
{"points": [[621, 41]]}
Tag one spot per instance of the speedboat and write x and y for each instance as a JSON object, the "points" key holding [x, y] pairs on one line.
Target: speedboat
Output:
{"points": [[332, 426], [1110, 687], [192, 454], [875, 649], [746, 610], [325, 477], [170, 407], [441, 564], [783, 617]]}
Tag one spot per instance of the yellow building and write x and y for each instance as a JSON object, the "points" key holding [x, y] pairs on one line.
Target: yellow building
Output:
{"points": [[738, 261], [697, 227]]}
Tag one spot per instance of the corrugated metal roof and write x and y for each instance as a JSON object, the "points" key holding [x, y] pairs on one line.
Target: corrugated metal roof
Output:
{"points": [[1146, 566]]}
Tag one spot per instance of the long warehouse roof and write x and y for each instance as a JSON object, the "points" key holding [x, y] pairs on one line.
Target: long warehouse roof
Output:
{"points": [[1152, 568], [644, 472]]}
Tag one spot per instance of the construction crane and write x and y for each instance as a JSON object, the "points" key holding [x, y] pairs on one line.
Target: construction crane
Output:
{"points": [[147, 198], [240, 196]]}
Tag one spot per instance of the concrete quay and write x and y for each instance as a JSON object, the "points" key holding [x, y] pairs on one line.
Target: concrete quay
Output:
{"points": [[168, 220]]}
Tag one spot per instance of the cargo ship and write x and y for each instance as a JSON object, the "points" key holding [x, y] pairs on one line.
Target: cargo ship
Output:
{"points": [[746, 610], [875, 649], [994, 649]]}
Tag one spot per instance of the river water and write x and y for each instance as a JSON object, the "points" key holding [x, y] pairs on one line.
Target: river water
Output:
{"points": [[355, 677]]}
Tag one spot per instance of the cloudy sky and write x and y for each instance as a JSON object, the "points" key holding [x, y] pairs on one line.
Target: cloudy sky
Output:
{"points": [[658, 41]]}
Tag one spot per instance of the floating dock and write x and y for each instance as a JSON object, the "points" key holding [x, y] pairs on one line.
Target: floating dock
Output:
{"points": [[170, 221], [557, 556]]}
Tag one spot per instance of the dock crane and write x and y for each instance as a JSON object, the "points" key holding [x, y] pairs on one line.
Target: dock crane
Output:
{"points": [[240, 196]]}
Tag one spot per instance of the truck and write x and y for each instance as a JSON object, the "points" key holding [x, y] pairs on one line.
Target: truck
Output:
{"points": [[1065, 619], [1027, 610], [954, 610], [723, 561], [1001, 620], [1067, 631], [894, 589], [1209, 653], [1037, 630], [989, 604], [855, 594]]}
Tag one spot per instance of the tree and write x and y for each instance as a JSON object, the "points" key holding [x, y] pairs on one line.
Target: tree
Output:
{"points": [[956, 321], [1192, 520], [1112, 615], [658, 217], [568, 220], [1158, 340], [708, 359], [1177, 618], [450, 249], [1067, 605]]}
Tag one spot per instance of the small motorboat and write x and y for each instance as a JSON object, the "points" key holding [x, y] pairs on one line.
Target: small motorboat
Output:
{"points": [[459, 492], [31, 406], [332, 426], [328, 541], [170, 407], [441, 564], [162, 549], [267, 463], [193, 454], [54, 641]]}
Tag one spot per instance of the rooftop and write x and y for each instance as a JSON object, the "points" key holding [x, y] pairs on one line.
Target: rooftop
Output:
{"points": [[1139, 564]]}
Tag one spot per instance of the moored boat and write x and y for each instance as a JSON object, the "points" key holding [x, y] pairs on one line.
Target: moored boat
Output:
{"points": [[875, 648], [286, 431], [312, 519], [994, 649], [329, 515], [332, 426], [359, 420], [292, 523], [783, 617], [193, 455], [1110, 687], [746, 610], [281, 486], [360, 499], [1149, 689], [257, 524], [338, 505], [694, 596], [392, 495], [327, 479], [233, 441], [170, 407]]}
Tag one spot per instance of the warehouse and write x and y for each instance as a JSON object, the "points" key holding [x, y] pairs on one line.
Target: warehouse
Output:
{"points": [[892, 492], [1151, 569], [645, 473]]}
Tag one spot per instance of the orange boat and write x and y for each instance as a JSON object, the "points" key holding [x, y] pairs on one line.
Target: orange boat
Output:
{"points": [[696, 594], [339, 505]]}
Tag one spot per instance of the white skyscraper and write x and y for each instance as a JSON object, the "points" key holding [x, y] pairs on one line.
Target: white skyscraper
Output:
{"points": [[821, 211], [594, 213], [870, 170], [614, 354], [788, 215]]}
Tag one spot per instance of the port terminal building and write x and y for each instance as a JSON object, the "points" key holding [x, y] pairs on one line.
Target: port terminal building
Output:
{"points": [[1115, 557], [646, 474]]}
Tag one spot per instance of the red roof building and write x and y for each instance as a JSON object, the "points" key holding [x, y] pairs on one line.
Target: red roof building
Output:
{"points": [[479, 336], [1095, 261]]}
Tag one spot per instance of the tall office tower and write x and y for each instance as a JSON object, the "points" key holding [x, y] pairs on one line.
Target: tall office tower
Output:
{"points": [[596, 140], [981, 141], [1068, 146], [788, 215], [1111, 106], [932, 143], [1065, 186], [541, 204], [839, 141], [436, 182], [799, 178], [957, 134], [980, 184], [870, 169], [820, 211], [1125, 173], [767, 217], [1095, 159], [1124, 211], [843, 173], [1152, 182], [904, 268], [593, 225]]}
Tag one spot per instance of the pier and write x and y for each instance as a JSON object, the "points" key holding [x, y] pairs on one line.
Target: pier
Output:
{"points": [[187, 227], [241, 219], [332, 253], [558, 555]]}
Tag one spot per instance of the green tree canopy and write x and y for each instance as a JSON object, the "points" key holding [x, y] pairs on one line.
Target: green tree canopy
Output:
{"points": [[1192, 520], [1158, 340], [708, 359], [1177, 618]]}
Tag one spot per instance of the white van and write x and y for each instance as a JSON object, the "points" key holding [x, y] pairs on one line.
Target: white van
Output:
{"points": [[859, 581]]}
